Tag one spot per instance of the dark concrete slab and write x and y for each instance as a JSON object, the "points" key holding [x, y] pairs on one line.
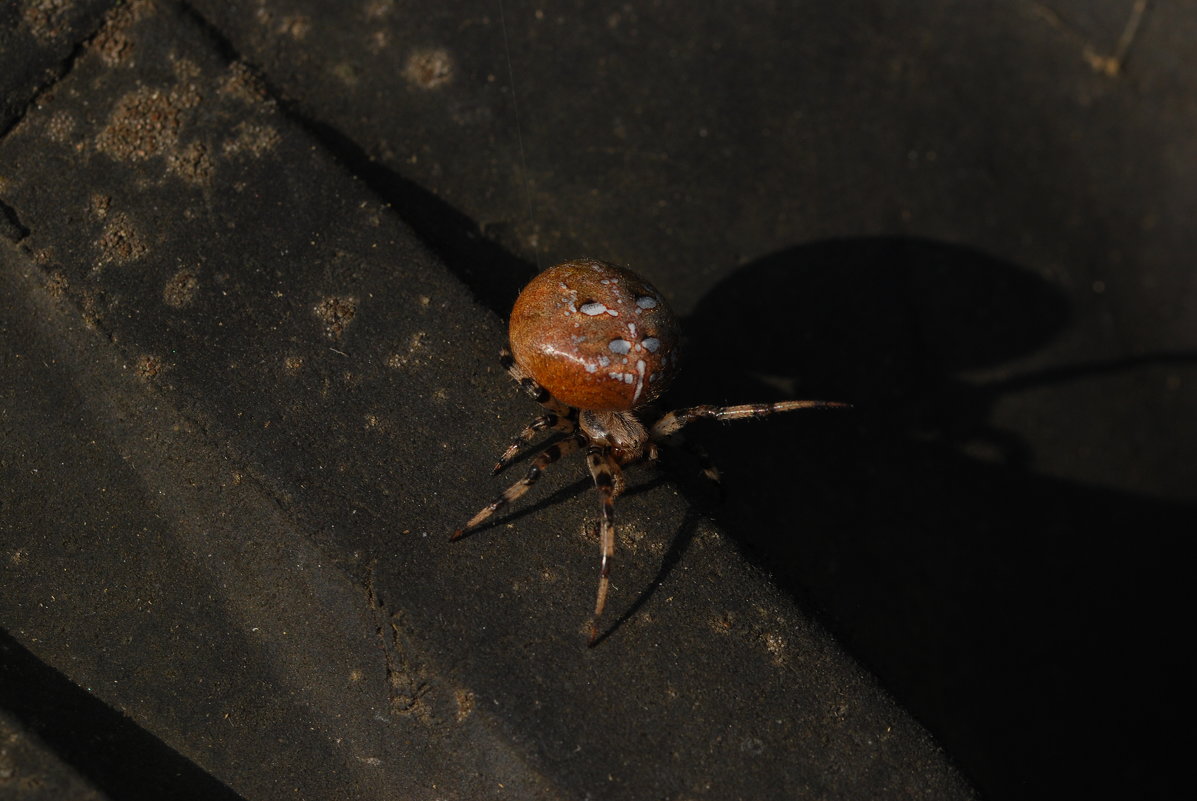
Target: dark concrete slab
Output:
{"points": [[974, 221], [170, 630], [243, 407]]}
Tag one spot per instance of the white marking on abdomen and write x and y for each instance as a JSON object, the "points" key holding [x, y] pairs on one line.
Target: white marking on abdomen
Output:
{"points": [[639, 383]]}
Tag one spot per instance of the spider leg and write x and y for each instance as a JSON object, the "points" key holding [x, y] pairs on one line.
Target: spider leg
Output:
{"points": [[608, 480], [531, 385], [674, 420], [546, 458], [567, 424]]}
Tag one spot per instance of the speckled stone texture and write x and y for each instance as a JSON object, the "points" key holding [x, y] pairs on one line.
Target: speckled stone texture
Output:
{"points": [[261, 257], [38, 42]]}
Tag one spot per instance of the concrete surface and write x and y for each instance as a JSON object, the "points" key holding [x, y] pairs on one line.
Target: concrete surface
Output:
{"points": [[261, 259]]}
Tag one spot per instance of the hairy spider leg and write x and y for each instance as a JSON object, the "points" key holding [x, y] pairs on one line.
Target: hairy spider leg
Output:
{"points": [[608, 480], [532, 386], [554, 421], [546, 458], [560, 417], [672, 421]]}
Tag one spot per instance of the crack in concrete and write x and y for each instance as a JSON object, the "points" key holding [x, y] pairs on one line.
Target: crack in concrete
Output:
{"points": [[406, 684], [1129, 32], [1109, 64], [57, 72]]}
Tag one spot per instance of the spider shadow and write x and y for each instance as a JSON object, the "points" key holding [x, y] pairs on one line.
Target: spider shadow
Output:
{"points": [[906, 523]]}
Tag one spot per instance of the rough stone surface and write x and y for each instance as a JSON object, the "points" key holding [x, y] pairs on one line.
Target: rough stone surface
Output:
{"points": [[38, 39], [244, 408], [244, 397], [973, 222]]}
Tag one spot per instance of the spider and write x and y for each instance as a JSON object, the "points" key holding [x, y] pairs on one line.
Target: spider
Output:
{"points": [[595, 344]]}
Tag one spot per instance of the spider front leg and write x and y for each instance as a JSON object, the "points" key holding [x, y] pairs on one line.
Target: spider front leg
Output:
{"points": [[674, 420], [608, 480], [556, 422], [560, 417], [531, 385], [546, 458]]}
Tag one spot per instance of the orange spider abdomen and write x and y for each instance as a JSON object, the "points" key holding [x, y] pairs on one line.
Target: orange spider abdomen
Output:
{"points": [[594, 335]]}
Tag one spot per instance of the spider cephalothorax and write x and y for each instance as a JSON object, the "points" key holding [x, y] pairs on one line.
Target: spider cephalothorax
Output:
{"points": [[595, 344]]}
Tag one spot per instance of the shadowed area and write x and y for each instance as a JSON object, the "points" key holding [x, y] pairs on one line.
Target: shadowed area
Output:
{"points": [[115, 754], [919, 528]]}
